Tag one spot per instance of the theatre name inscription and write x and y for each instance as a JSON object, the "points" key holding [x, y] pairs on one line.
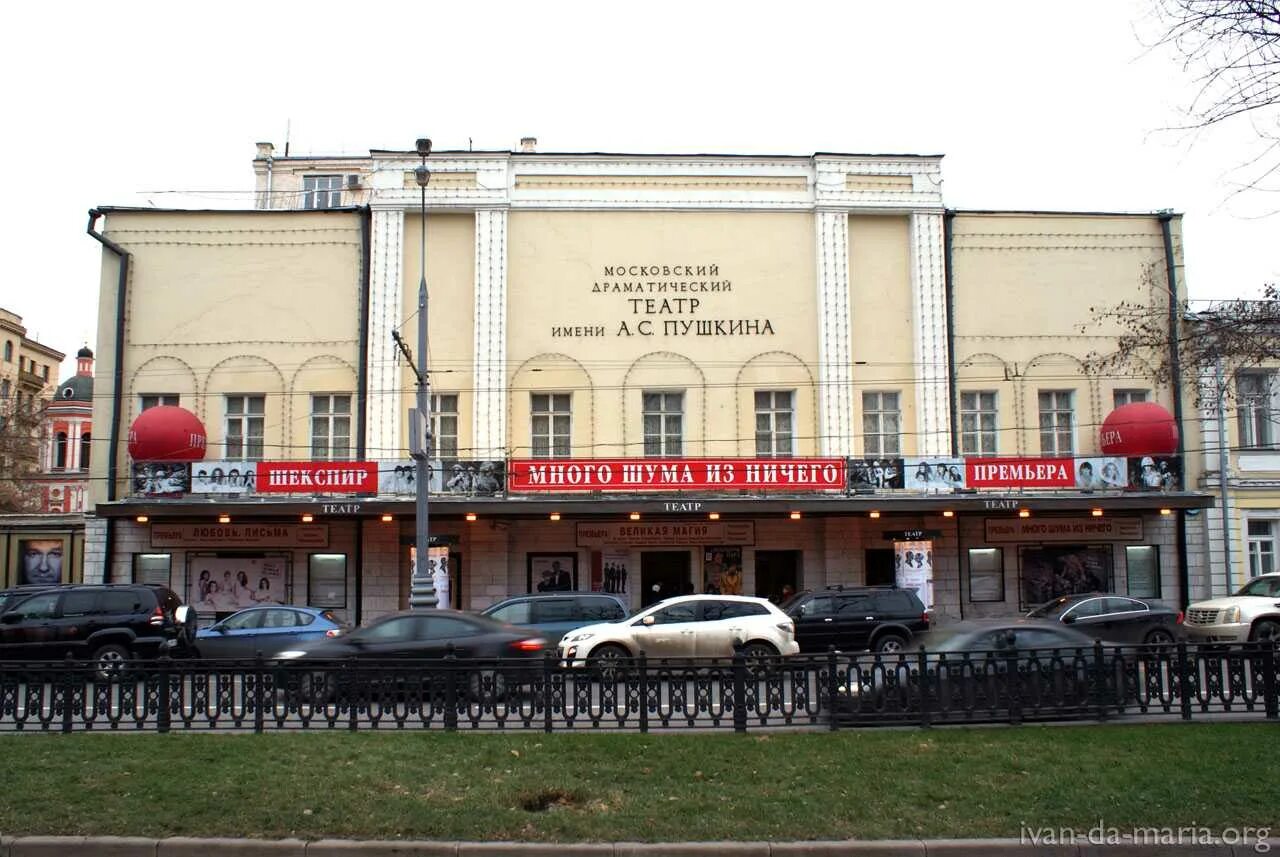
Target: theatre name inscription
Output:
{"points": [[665, 300]]}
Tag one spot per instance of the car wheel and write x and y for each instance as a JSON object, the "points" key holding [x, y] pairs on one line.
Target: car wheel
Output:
{"points": [[758, 650], [110, 660], [890, 644], [1267, 629], [1158, 637], [486, 686], [607, 659]]}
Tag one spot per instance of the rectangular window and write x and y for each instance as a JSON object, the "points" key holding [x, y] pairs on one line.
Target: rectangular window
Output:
{"points": [[152, 568], [1057, 422], [245, 427], [1262, 547], [551, 416], [978, 423], [775, 433], [881, 424], [444, 425], [1255, 409], [327, 580], [330, 426], [1143, 564], [154, 400], [986, 574], [663, 424], [321, 191], [1128, 397], [44, 373]]}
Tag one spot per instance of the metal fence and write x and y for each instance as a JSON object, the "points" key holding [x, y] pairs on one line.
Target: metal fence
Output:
{"points": [[831, 691]]}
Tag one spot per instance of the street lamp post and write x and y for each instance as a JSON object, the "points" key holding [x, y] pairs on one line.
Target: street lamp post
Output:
{"points": [[422, 591]]}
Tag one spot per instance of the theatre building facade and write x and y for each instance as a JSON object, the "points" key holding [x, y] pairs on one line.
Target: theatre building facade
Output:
{"points": [[649, 375]]}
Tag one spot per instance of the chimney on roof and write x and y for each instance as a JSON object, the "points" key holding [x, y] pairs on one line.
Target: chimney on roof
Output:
{"points": [[265, 151], [528, 144]]}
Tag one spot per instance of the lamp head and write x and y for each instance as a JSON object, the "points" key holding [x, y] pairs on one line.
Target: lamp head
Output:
{"points": [[424, 146], [422, 175]]}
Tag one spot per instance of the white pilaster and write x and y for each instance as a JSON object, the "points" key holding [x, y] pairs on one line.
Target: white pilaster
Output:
{"points": [[490, 360], [383, 408], [928, 287], [835, 361]]}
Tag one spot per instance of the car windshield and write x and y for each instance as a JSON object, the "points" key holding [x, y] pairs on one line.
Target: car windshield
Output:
{"points": [[1051, 610], [1262, 587]]}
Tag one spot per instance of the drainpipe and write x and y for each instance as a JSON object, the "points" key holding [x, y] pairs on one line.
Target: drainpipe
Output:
{"points": [[1175, 378], [117, 380], [1222, 481], [949, 296]]}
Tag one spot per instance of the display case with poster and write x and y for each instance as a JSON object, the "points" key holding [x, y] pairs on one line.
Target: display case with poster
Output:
{"points": [[551, 572], [614, 564], [722, 570], [913, 569], [218, 583], [1047, 571], [42, 560]]}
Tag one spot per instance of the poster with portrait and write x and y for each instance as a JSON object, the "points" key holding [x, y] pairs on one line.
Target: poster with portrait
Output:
{"points": [[933, 475], [1101, 474], [224, 584], [1154, 473], [875, 473], [1052, 570], [400, 477], [473, 478], [223, 477], [913, 568], [41, 561], [615, 570], [722, 570], [552, 572], [161, 478]]}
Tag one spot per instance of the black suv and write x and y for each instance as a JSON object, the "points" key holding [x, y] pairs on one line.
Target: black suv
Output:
{"points": [[106, 623], [856, 618]]}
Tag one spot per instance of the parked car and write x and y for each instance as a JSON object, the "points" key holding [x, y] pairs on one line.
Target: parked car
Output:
{"points": [[19, 592], [109, 624], [426, 634], [1115, 618], [266, 629], [554, 615], [687, 626], [857, 618], [969, 665], [1253, 613]]}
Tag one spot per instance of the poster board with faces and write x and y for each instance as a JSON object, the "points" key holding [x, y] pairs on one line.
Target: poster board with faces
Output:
{"points": [[225, 583]]}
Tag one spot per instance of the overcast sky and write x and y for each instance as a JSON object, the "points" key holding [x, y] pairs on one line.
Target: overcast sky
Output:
{"points": [[1034, 105]]}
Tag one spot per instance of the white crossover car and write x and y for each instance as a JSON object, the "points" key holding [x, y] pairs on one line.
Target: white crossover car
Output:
{"points": [[687, 626], [1253, 613]]}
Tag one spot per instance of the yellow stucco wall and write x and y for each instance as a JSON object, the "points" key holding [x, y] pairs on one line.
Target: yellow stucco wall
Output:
{"points": [[215, 306], [568, 329]]}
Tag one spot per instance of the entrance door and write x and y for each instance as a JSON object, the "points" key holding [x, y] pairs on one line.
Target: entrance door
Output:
{"points": [[777, 574], [668, 571], [880, 567]]}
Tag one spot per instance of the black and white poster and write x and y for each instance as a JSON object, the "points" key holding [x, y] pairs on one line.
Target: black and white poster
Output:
{"points": [[1154, 473], [1100, 474], [933, 474], [223, 477], [875, 473], [161, 478], [470, 478], [551, 572]]}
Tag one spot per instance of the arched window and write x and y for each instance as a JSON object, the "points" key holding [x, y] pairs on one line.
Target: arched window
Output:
{"points": [[60, 450], [84, 450]]}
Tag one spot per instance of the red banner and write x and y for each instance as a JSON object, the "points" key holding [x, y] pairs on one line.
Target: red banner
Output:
{"points": [[317, 477], [676, 474], [1019, 473]]}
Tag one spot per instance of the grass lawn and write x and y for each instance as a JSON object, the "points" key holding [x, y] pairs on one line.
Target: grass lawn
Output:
{"points": [[863, 785]]}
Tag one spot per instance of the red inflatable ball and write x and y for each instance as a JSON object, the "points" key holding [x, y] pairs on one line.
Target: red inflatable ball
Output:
{"points": [[1139, 428], [167, 433]]}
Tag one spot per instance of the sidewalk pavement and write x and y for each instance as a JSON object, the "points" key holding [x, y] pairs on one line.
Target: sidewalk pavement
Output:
{"points": [[127, 846]]}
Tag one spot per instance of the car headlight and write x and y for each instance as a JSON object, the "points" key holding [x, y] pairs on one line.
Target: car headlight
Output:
{"points": [[1231, 614], [578, 638], [290, 655]]}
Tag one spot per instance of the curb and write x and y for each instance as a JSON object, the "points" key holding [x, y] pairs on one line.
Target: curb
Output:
{"points": [[181, 846]]}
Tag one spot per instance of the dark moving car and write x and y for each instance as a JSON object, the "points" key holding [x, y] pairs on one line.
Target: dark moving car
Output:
{"points": [[107, 623], [1115, 618], [428, 634], [553, 616], [881, 619]]}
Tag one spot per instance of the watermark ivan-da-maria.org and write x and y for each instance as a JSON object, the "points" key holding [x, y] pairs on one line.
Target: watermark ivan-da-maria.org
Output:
{"points": [[1102, 834]]}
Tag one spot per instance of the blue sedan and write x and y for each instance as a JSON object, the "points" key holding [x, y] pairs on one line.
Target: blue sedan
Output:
{"points": [[267, 629]]}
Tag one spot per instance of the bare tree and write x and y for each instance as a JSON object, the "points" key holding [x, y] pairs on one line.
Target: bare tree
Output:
{"points": [[1232, 47], [20, 456]]}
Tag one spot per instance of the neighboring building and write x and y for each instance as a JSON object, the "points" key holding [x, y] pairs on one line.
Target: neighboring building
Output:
{"points": [[68, 441], [649, 373], [26, 370]]}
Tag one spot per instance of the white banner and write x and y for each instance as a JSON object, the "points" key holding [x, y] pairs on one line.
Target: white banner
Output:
{"points": [[223, 477], [933, 475], [913, 568], [227, 584]]}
